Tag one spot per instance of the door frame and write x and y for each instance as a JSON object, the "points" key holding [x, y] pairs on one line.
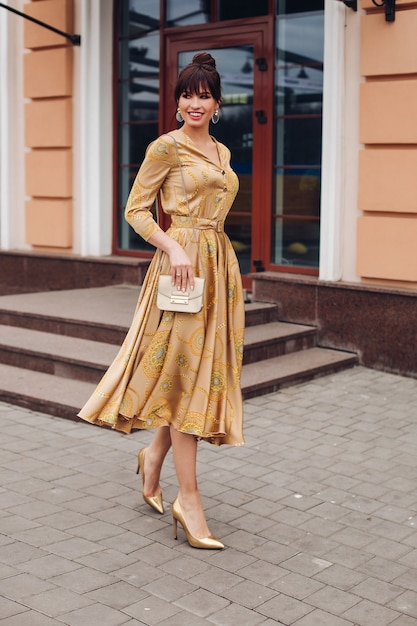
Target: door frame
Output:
{"points": [[259, 33]]}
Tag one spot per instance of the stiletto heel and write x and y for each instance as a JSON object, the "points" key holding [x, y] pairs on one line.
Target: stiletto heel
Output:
{"points": [[208, 543], [154, 501]]}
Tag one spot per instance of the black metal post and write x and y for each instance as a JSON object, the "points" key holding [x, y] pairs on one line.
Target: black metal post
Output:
{"points": [[389, 9], [352, 4], [74, 39]]}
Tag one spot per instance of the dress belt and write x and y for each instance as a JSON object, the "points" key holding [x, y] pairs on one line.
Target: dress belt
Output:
{"points": [[199, 223]]}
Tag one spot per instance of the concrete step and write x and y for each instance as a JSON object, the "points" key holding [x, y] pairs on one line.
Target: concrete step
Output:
{"points": [[273, 339], [55, 346], [59, 355], [99, 314], [84, 359], [46, 393], [64, 397], [273, 374]]}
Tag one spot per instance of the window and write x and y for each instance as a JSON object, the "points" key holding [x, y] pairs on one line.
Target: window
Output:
{"points": [[298, 130], [189, 12], [138, 101]]}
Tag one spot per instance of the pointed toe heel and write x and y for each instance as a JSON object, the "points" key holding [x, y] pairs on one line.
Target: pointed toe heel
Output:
{"points": [[155, 502], [206, 543]]}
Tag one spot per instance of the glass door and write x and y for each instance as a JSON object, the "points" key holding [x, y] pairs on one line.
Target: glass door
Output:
{"points": [[235, 131], [242, 128]]}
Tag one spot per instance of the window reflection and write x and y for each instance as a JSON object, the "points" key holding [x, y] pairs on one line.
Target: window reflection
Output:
{"points": [[138, 100], [187, 12], [298, 132], [232, 10], [235, 65]]}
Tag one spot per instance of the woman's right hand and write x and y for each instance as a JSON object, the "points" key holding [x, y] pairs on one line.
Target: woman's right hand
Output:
{"points": [[181, 267]]}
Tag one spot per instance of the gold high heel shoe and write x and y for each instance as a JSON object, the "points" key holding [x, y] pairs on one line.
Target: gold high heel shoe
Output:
{"points": [[154, 501], [209, 543]]}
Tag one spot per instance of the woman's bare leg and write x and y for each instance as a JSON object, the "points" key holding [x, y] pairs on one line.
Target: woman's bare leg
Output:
{"points": [[154, 458], [184, 448]]}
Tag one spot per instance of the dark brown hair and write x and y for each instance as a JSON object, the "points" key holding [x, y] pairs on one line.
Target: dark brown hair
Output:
{"points": [[200, 73]]}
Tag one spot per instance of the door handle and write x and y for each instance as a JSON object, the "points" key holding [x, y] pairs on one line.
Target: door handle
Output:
{"points": [[261, 117], [262, 64]]}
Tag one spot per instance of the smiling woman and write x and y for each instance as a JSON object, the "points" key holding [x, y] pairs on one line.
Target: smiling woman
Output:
{"points": [[179, 371], [198, 97]]}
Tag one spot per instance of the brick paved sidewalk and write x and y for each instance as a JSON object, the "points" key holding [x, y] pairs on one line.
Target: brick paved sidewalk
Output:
{"points": [[318, 512]]}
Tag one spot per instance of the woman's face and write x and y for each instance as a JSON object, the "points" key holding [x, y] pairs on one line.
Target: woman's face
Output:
{"points": [[197, 108]]}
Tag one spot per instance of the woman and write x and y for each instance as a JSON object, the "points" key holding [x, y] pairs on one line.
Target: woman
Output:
{"points": [[180, 372]]}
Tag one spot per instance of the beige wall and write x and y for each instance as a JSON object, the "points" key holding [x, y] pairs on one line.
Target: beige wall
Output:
{"points": [[48, 87], [382, 227], [387, 194]]}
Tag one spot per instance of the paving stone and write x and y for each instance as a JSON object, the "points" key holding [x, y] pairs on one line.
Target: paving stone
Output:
{"points": [[376, 590], [9, 608], [18, 552], [284, 608], [296, 586], [169, 588], [40, 536], [127, 542], [12, 524], [367, 613], [83, 580], [341, 577], [321, 618], [249, 594], [6, 571], [408, 579], [152, 610], [202, 603], [236, 614], [263, 573], [48, 566], [405, 603], [333, 600], [305, 564], [30, 618], [139, 575], [22, 585], [93, 614], [318, 513], [56, 601], [404, 620]]}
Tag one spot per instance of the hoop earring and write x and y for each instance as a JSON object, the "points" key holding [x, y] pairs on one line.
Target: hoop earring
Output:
{"points": [[215, 118], [178, 116]]}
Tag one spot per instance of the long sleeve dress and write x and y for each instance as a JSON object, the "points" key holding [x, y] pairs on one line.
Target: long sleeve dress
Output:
{"points": [[181, 369]]}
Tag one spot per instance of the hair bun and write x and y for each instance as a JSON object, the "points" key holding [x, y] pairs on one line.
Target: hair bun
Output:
{"points": [[204, 59]]}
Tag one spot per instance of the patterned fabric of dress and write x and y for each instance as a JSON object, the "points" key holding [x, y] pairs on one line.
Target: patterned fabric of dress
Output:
{"points": [[181, 368]]}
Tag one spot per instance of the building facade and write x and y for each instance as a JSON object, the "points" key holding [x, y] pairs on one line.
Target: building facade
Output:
{"points": [[318, 111]]}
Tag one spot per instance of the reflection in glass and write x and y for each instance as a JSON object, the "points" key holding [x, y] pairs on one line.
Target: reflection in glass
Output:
{"points": [[297, 242], [299, 141], [298, 132], [232, 10], [235, 65], [187, 12], [138, 100]]}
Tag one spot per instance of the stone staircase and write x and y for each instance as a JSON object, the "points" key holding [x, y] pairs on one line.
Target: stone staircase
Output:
{"points": [[55, 346]]}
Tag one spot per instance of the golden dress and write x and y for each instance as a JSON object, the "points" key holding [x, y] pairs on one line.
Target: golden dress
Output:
{"points": [[181, 368]]}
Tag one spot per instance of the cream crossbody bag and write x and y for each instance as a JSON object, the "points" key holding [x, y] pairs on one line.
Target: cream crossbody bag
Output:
{"points": [[169, 298]]}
